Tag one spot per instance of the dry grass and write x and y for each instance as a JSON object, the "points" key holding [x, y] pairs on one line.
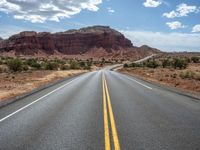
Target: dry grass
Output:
{"points": [[171, 77], [12, 85]]}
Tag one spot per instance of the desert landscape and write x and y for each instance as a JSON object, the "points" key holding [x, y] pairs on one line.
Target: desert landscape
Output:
{"points": [[39, 59], [179, 70], [99, 75], [29, 60], [22, 75]]}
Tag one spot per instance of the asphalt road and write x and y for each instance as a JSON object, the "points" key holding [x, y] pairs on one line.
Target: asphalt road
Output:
{"points": [[101, 110]]}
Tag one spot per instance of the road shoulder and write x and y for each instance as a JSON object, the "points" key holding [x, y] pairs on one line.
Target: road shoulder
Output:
{"points": [[163, 86], [42, 87]]}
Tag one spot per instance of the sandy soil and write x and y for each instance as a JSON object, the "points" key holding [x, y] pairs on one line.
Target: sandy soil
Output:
{"points": [[12, 85], [170, 77]]}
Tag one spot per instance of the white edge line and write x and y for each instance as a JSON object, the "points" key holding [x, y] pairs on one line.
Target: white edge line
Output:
{"points": [[139, 82], [26, 106], [135, 81]]}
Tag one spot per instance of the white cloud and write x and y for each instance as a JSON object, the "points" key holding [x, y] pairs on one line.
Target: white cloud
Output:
{"points": [[175, 25], [196, 28], [41, 11], [110, 10], [32, 18], [171, 14], [8, 7], [182, 10], [152, 3], [165, 41]]}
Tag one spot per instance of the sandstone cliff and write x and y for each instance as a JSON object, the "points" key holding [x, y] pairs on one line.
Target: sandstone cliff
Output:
{"points": [[85, 41]]}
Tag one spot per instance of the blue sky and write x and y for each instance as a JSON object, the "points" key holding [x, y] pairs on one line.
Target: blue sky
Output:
{"points": [[165, 24]]}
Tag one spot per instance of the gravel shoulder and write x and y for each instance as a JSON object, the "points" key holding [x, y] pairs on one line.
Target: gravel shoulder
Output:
{"points": [[15, 84]]}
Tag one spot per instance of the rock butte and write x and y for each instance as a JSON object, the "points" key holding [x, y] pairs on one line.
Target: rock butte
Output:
{"points": [[72, 42]]}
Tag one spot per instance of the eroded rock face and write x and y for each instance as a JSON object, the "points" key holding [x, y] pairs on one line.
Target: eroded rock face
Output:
{"points": [[71, 42]]}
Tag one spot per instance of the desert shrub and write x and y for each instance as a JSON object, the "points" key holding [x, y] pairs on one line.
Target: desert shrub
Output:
{"points": [[82, 64], [166, 63], [64, 67], [3, 68], [37, 65], [87, 67], [179, 63], [152, 64], [126, 65], [15, 65], [89, 62], [135, 65], [79, 64], [58, 61], [187, 75], [7, 58], [195, 59], [33, 63], [74, 65], [25, 67], [188, 59], [51, 66]]}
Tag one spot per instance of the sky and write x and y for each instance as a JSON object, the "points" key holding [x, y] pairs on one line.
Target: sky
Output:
{"points": [[169, 25]]}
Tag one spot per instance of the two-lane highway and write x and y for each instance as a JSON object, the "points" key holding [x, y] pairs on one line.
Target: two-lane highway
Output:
{"points": [[101, 110]]}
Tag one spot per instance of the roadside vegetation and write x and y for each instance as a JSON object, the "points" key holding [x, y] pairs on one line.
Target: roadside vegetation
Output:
{"points": [[176, 63], [9, 64], [178, 71], [21, 75]]}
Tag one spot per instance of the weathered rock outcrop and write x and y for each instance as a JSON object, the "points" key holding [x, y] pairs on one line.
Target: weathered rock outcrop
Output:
{"points": [[71, 42], [96, 42]]}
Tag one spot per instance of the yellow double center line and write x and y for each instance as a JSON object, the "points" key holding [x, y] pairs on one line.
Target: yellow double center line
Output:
{"points": [[107, 109]]}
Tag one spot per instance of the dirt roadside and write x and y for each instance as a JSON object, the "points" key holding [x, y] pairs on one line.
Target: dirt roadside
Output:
{"points": [[12, 85], [169, 77]]}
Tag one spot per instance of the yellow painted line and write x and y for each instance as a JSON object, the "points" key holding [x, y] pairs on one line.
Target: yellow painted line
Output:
{"points": [[106, 127], [112, 120]]}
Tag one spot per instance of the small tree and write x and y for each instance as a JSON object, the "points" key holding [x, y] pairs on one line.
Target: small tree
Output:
{"points": [[135, 65], [74, 65], [165, 63], [51, 66], [125, 65], [33, 63], [15, 65], [195, 59], [179, 63], [89, 62], [82, 64], [103, 61], [152, 64]]}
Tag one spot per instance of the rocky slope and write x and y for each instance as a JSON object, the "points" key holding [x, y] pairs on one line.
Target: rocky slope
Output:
{"points": [[96, 41]]}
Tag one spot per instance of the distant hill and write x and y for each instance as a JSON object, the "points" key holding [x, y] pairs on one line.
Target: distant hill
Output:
{"points": [[89, 42]]}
